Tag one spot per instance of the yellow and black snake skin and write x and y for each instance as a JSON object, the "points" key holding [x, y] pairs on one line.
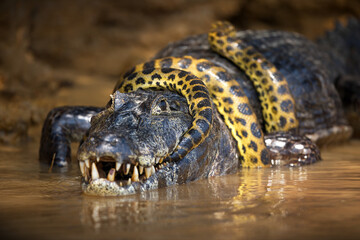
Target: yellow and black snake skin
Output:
{"points": [[230, 101], [278, 105], [190, 86], [227, 94]]}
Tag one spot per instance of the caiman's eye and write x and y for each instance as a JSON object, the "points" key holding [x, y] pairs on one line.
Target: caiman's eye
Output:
{"points": [[175, 106], [160, 105]]}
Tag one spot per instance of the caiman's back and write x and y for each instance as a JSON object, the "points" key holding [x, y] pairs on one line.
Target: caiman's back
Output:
{"points": [[343, 46], [313, 71]]}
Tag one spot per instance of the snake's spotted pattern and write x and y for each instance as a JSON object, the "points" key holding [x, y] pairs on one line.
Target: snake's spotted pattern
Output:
{"points": [[278, 106], [186, 84], [230, 100]]}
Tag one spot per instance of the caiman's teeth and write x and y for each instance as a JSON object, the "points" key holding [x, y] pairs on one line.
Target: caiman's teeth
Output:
{"points": [[87, 163], [135, 176], [90, 171], [111, 175], [117, 166], [152, 170], [148, 172], [82, 167], [127, 168], [94, 172]]}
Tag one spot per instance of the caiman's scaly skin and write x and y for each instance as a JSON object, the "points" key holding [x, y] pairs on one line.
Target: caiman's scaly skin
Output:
{"points": [[312, 71], [149, 139]]}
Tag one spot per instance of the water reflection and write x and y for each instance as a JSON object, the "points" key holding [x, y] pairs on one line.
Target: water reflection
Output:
{"points": [[252, 204], [241, 198], [104, 212], [263, 193]]}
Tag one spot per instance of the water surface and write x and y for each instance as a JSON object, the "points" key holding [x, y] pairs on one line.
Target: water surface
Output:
{"points": [[321, 201]]}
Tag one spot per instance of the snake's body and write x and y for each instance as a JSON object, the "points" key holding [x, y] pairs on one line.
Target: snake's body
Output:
{"points": [[231, 102]]}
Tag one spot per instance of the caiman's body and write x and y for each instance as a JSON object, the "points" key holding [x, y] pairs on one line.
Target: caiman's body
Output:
{"points": [[264, 81]]}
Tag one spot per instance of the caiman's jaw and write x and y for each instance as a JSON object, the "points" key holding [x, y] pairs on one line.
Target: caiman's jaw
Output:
{"points": [[127, 143], [105, 175]]}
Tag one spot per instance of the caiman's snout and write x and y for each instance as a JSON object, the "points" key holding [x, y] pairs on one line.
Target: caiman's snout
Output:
{"points": [[110, 145], [116, 159]]}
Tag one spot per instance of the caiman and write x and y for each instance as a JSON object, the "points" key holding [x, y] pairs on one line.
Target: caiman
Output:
{"points": [[209, 105]]}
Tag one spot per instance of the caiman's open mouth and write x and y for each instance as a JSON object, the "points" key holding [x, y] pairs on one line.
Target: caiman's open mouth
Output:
{"points": [[105, 175]]}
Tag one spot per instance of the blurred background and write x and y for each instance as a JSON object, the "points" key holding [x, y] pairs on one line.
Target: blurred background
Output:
{"points": [[49, 48]]}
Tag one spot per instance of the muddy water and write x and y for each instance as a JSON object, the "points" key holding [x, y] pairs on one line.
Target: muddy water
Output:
{"points": [[318, 201], [321, 201]]}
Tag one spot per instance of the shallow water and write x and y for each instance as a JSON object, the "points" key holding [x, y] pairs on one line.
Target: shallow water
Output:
{"points": [[321, 201]]}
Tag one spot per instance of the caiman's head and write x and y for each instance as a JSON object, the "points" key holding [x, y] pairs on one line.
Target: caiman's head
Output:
{"points": [[126, 145]]}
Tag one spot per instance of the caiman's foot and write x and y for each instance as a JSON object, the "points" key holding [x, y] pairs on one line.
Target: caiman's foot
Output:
{"points": [[287, 149], [62, 126]]}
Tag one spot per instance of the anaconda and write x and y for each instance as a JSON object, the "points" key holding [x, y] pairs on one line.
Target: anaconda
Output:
{"points": [[149, 139]]}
